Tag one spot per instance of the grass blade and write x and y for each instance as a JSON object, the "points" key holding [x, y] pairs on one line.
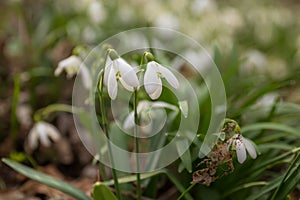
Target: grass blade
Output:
{"points": [[272, 126], [47, 180]]}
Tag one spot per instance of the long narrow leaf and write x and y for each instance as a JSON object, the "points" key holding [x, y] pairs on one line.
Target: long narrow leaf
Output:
{"points": [[272, 126], [47, 180], [289, 181], [266, 189]]}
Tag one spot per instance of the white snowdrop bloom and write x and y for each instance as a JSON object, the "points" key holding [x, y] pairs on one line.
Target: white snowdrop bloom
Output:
{"points": [[266, 102], [72, 65], [43, 132], [255, 61], [152, 79], [143, 109], [241, 144], [119, 69]]}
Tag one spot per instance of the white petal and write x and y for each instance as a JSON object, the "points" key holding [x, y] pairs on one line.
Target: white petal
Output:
{"points": [[236, 136], [151, 79], [169, 76], [250, 148], [143, 105], [126, 86], [33, 137], [240, 151], [86, 77], [112, 86], [184, 107], [156, 93], [161, 104], [58, 70], [107, 68], [127, 72], [52, 132], [41, 129], [129, 121], [70, 64]]}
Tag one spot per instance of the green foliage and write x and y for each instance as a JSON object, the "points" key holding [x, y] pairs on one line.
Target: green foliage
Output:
{"points": [[256, 51], [101, 191], [47, 180]]}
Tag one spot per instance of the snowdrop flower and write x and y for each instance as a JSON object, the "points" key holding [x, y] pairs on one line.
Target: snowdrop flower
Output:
{"points": [[119, 69], [241, 144], [42, 131], [143, 109], [72, 65], [255, 61], [152, 79]]}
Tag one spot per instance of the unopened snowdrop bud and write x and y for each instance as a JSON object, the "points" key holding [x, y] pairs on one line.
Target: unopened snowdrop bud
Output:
{"points": [[117, 69], [149, 56], [152, 79], [43, 132], [241, 144]]}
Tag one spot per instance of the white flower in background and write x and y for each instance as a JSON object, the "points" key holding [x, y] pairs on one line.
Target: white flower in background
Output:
{"points": [[152, 79], [24, 111], [255, 61], [266, 102], [72, 65], [200, 6], [167, 20], [96, 12], [24, 114], [241, 144], [143, 109], [43, 132], [119, 70]]}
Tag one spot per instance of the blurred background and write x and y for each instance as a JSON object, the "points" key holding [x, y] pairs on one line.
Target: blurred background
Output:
{"points": [[255, 44]]}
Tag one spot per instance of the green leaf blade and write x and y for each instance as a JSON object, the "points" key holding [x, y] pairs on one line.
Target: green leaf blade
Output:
{"points": [[46, 179]]}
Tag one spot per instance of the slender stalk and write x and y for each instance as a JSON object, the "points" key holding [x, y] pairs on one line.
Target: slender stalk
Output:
{"points": [[103, 171], [138, 175], [106, 131], [186, 191], [13, 116]]}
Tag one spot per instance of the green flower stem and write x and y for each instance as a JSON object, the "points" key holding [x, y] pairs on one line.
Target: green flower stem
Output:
{"points": [[106, 131], [186, 191], [44, 112], [136, 139], [103, 171], [13, 115], [138, 177]]}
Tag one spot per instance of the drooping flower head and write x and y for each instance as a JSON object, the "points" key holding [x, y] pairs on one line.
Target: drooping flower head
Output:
{"points": [[240, 145], [152, 79], [118, 69], [72, 65], [237, 142], [43, 132]]}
